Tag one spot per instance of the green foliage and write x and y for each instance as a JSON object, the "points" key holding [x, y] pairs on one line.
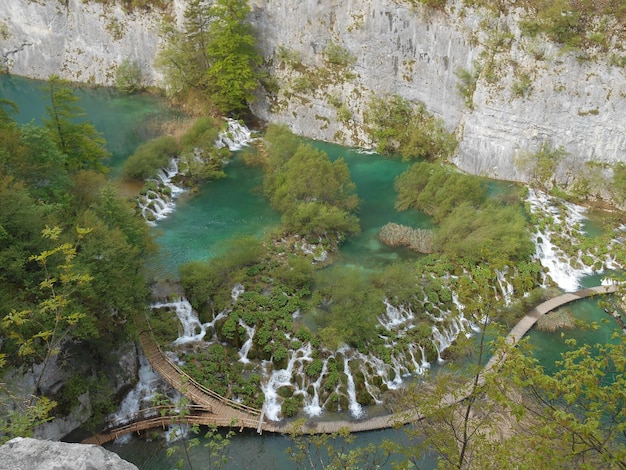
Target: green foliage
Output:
{"points": [[40, 165], [542, 165], [215, 55], [296, 274], [115, 253], [618, 188], [40, 332], [398, 126], [470, 233], [19, 419], [523, 86], [349, 306], [128, 77], [334, 451], [315, 196], [83, 146], [202, 280], [575, 24], [436, 190], [149, 158], [459, 204], [338, 55], [398, 282], [200, 159], [132, 5], [467, 85]]}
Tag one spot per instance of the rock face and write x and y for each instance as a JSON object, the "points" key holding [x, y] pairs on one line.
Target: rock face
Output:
{"points": [[528, 92], [32, 454], [79, 41]]}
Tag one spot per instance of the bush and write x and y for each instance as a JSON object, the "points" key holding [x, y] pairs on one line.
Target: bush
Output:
{"points": [[149, 158], [128, 77], [338, 55], [396, 125], [436, 190]]}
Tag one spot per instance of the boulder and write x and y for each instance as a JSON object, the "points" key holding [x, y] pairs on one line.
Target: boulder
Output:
{"points": [[32, 454]]}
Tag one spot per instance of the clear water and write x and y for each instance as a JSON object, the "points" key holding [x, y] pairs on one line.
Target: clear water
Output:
{"points": [[220, 210]]}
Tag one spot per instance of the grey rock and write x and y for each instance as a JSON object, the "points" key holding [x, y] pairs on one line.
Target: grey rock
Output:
{"points": [[32, 454]]}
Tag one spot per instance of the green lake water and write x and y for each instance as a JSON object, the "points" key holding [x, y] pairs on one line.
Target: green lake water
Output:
{"points": [[235, 205]]}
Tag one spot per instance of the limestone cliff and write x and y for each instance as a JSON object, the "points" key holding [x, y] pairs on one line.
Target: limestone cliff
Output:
{"points": [[532, 92]]}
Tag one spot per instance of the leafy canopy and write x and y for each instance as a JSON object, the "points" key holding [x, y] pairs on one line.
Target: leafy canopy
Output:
{"points": [[214, 56]]}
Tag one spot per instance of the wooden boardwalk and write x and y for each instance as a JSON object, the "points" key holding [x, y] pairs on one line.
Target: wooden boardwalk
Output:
{"points": [[212, 409]]}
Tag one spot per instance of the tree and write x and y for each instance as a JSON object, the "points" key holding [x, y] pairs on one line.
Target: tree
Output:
{"points": [[214, 55], [398, 126], [21, 223], [83, 146], [232, 77], [41, 165], [39, 333], [315, 196], [128, 77]]}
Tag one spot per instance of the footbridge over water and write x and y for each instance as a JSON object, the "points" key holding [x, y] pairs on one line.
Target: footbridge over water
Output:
{"points": [[210, 408]]}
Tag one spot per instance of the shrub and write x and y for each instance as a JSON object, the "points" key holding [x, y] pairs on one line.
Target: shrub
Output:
{"points": [[128, 77], [396, 125], [338, 55], [149, 158]]}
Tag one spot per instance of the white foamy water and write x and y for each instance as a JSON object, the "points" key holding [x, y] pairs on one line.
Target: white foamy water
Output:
{"points": [[236, 137], [564, 269], [138, 398], [192, 329], [158, 205]]}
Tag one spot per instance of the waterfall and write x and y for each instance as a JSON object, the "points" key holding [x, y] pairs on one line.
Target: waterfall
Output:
{"points": [[235, 137], [245, 349], [158, 202], [236, 291], [395, 316], [282, 378], [312, 405], [356, 410], [506, 288], [193, 330], [565, 273], [138, 398]]}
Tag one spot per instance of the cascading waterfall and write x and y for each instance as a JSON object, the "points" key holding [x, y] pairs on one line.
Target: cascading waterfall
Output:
{"points": [[549, 254], [564, 269], [139, 397], [283, 378], [158, 202], [356, 410], [245, 349], [312, 405], [236, 137], [193, 330], [506, 288]]}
